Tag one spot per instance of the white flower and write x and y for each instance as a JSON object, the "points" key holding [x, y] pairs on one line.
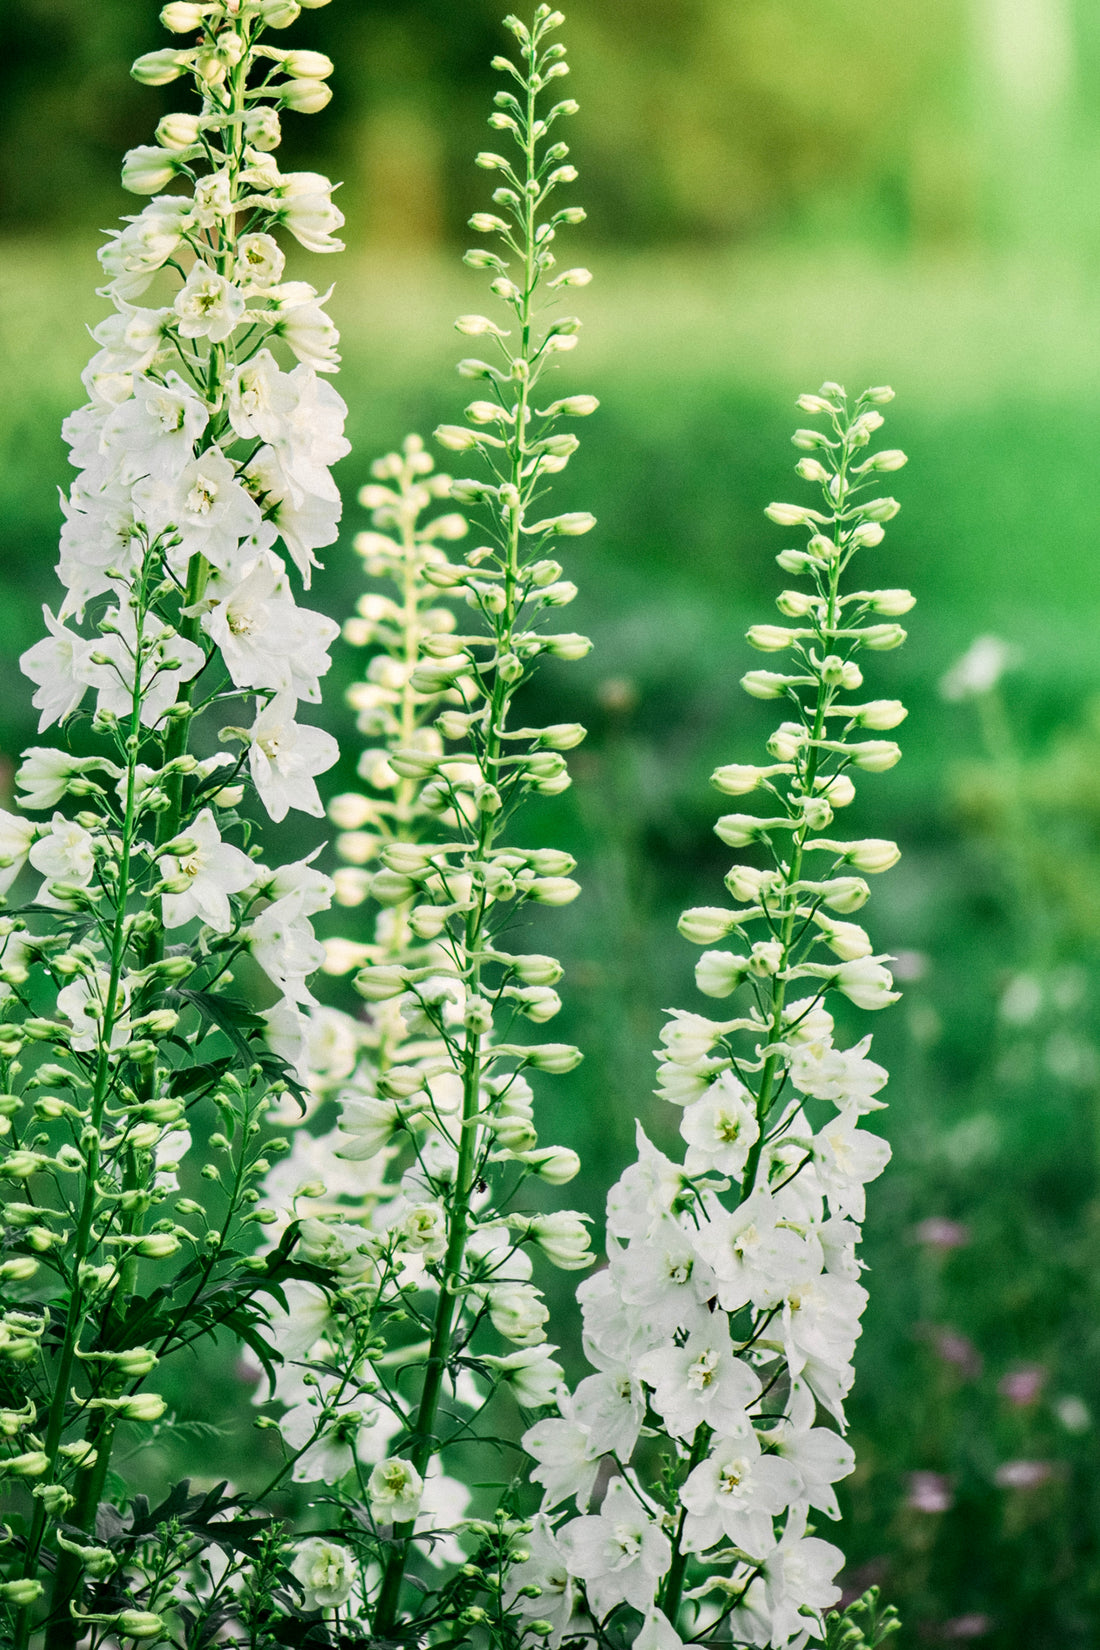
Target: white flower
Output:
{"points": [[620, 1552], [701, 1382], [63, 853], [612, 1406], [212, 870], [208, 305], [266, 640], [305, 521], [566, 1457], [395, 1488], [58, 665], [308, 212], [154, 433], [326, 1571], [720, 1128], [532, 1374], [16, 838], [798, 1580], [819, 1457], [206, 504], [846, 1157], [735, 1493], [753, 1258], [664, 1277], [307, 331], [84, 1002], [518, 1312], [260, 262], [284, 945], [840, 1075], [305, 1320], [165, 663], [546, 1568], [285, 755], [442, 1506]]}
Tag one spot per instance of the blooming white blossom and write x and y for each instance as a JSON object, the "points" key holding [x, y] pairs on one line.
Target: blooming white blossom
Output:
{"points": [[327, 1572], [209, 870]]}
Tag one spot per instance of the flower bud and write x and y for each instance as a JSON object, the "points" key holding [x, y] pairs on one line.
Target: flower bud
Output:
{"points": [[518, 1312], [705, 924], [178, 131], [307, 65], [875, 755], [718, 973], [20, 1592], [880, 638], [305, 97], [792, 515], [532, 968], [183, 17], [872, 854], [138, 1624], [377, 985], [554, 890], [866, 983], [847, 939], [160, 67], [769, 638], [766, 684], [31, 1463], [147, 170], [879, 714], [867, 535], [563, 1239], [557, 1165], [739, 830]]}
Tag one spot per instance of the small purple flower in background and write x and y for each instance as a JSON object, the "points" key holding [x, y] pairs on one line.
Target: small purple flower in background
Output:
{"points": [[929, 1492], [972, 1626], [1023, 1475], [939, 1233], [951, 1346], [1023, 1385]]}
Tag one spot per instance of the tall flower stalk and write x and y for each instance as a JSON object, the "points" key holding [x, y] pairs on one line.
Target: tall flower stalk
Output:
{"points": [[391, 1366], [726, 1320], [196, 453]]}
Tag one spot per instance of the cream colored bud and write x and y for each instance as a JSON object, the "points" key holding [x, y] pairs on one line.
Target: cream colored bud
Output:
{"points": [[178, 131], [377, 985], [280, 14], [867, 535], [736, 778], [159, 68], [881, 638], [769, 638], [792, 515], [817, 814], [847, 939], [797, 604], [880, 714], [554, 890], [718, 973], [811, 469], [532, 968], [706, 924], [307, 65], [557, 1165], [305, 97], [766, 684], [146, 171], [891, 602], [738, 830], [182, 17], [875, 755], [872, 855]]}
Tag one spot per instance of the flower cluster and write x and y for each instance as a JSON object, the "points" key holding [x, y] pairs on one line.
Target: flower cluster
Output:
{"points": [[723, 1328], [411, 1202], [206, 442]]}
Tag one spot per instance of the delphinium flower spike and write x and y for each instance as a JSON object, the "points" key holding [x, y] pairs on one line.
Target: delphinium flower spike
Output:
{"points": [[206, 440], [432, 1308], [722, 1330]]}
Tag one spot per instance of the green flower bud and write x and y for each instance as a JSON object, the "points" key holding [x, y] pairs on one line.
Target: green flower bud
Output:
{"points": [[159, 68]]}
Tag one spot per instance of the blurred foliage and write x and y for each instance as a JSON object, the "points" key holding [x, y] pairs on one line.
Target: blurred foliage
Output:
{"points": [[924, 122]]}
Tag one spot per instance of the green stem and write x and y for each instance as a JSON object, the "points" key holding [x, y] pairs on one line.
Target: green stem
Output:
{"points": [[677, 1570]]}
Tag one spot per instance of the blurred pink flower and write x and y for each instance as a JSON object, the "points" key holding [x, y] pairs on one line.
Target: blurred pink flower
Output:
{"points": [[972, 1626], [953, 1347], [939, 1233], [929, 1492], [1023, 1475], [1022, 1386]]}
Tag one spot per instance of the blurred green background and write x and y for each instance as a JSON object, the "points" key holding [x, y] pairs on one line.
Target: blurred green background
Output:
{"points": [[778, 193]]}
